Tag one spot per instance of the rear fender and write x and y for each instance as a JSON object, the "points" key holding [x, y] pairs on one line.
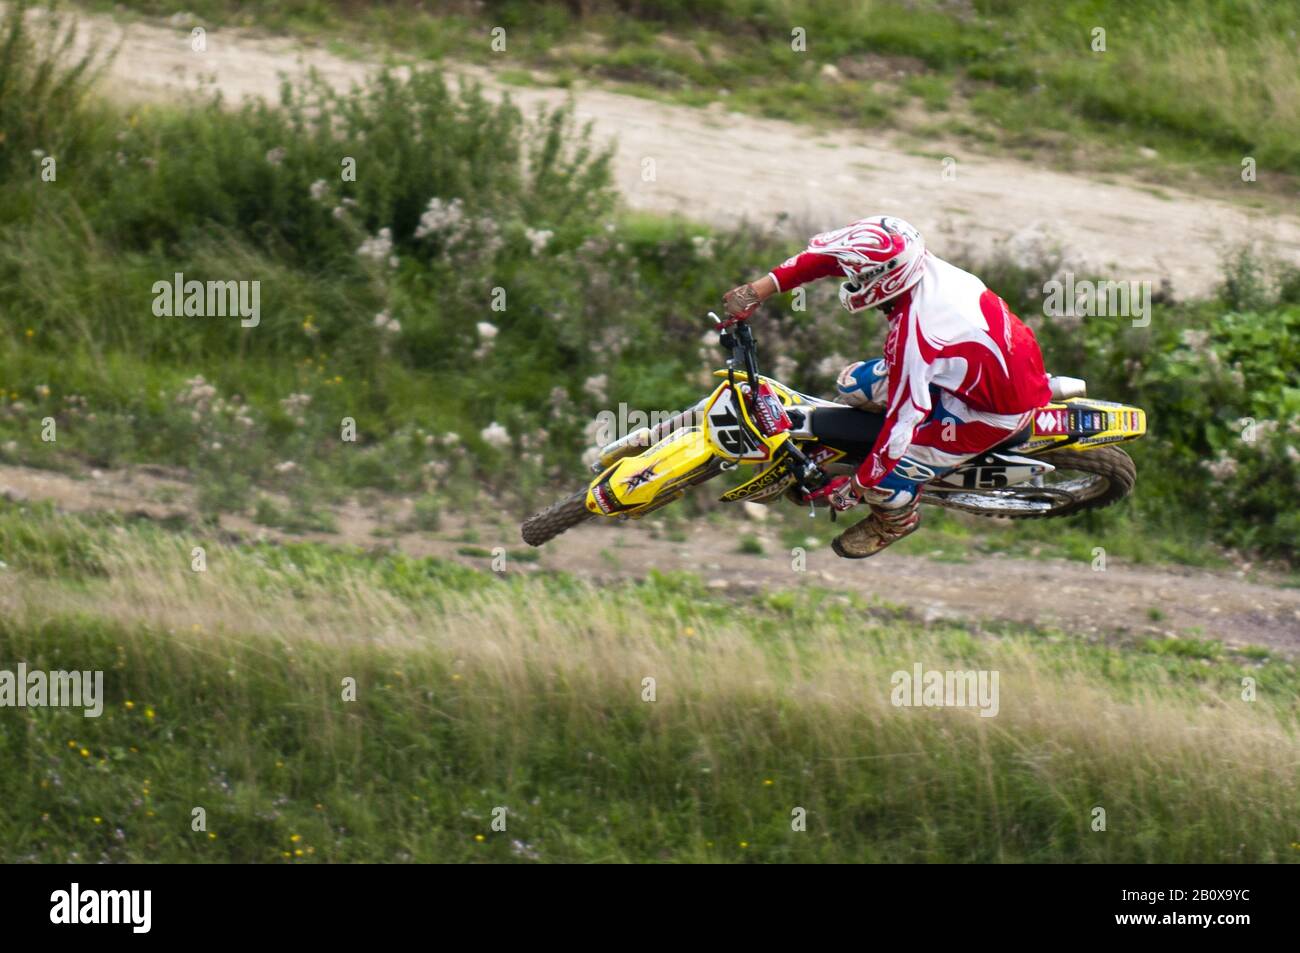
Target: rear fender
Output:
{"points": [[1082, 423]]}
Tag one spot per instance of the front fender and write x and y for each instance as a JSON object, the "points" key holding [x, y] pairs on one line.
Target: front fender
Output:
{"points": [[634, 484]]}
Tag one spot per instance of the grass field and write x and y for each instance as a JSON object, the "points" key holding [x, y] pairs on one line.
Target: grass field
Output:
{"points": [[225, 691]]}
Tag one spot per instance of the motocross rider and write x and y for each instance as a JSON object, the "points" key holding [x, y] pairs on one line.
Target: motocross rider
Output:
{"points": [[960, 373]]}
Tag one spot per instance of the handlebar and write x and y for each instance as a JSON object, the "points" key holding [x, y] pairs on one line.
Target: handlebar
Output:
{"points": [[738, 338]]}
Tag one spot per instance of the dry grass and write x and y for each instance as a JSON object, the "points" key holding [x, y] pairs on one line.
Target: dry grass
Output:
{"points": [[1182, 768]]}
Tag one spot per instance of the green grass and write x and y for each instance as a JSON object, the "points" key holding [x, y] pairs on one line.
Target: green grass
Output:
{"points": [[225, 691]]}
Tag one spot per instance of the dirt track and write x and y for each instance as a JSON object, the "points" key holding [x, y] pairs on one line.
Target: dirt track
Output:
{"points": [[1225, 605], [723, 167]]}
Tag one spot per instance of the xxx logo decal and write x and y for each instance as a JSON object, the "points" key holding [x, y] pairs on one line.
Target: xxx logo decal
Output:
{"points": [[640, 479]]}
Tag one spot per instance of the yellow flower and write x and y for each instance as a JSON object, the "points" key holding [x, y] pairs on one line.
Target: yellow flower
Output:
{"points": [[744, 843], [311, 850], [30, 333], [285, 853], [212, 835], [149, 713], [148, 813], [295, 837], [72, 744], [85, 753], [129, 704], [688, 631], [98, 820], [768, 782], [297, 853], [480, 838]]}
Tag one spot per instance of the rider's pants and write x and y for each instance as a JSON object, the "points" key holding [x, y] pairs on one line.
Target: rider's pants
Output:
{"points": [[952, 434]]}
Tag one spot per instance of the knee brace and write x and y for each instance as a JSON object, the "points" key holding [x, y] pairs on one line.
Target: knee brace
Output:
{"points": [[864, 384]]}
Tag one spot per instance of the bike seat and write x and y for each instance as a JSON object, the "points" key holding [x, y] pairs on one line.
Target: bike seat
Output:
{"points": [[1015, 440], [846, 425]]}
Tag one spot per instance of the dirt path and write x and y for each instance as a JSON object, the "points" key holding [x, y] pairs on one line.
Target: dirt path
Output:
{"points": [[723, 167], [1116, 603]]}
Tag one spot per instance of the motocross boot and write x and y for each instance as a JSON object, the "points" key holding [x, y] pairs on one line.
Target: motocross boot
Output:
{"points": [[882, 528]]}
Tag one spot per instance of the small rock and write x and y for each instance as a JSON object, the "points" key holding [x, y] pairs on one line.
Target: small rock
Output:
{"points": [[754, 511], [831, 73], [1147, 152]]}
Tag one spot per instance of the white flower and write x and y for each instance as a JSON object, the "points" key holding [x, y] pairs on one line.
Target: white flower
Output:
{"points": [[440, 216], [319, 189], [495, 435], [703, 246], [288, 466], [538, 239], [386, 323], [595, 386], [276, 155], [377, 247], [486, 330], [295, 405], [1222, 469]]}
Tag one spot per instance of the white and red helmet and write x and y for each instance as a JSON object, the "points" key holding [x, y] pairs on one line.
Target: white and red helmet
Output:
{"points": [[883, 256]]}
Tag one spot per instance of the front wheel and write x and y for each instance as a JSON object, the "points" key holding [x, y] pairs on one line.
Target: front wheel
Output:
{"points": [[1082, 480], [555, 519]]}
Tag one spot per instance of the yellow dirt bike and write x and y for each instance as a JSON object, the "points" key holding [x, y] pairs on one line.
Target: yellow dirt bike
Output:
{"points": [[1063, 462]]}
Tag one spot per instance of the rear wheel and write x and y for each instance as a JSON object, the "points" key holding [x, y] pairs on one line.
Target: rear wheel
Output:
{"points": [[1082, 480], [555, 519]]}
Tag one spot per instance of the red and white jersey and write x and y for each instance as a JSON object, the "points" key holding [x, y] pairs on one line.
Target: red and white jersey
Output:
{"points": [[950, 331]]}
